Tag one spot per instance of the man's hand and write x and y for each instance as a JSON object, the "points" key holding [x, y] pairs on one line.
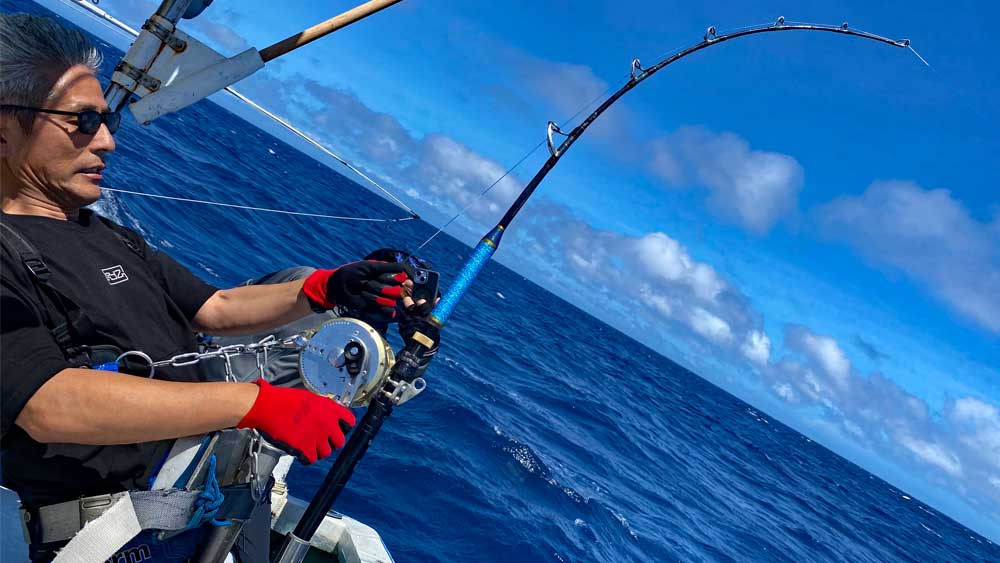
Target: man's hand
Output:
{"points": [[413, 320], [300, 422], [368, 287]]}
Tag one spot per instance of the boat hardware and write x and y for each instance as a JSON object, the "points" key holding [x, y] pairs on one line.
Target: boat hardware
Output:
{"points": [[184, 70], [116, 97], [381, 405]]}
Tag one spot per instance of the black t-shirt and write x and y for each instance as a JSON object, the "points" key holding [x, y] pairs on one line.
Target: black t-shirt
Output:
{"points": [[136, 300]]}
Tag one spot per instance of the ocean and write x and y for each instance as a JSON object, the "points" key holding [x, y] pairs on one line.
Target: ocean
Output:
{"points": [[544, 434]]}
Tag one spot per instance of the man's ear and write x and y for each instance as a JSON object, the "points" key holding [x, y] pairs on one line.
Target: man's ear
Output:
{"points": [[6, 135]]}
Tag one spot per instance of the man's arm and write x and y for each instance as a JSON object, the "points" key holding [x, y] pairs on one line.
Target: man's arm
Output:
{"points": [[85, 406], [252, 309], [373, 287]]}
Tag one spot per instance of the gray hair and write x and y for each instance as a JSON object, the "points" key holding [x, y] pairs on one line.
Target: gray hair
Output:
{"points": [[34, 52]]}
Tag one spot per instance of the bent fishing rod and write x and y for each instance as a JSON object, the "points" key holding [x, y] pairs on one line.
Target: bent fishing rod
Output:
{"points": [[404, 377]]}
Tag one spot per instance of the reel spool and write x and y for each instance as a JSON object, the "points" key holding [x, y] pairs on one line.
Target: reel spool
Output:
{"points": [[346, 360]]}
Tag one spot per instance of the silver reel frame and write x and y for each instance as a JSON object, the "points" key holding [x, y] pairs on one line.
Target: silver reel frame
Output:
{"points": [[323, 365]]}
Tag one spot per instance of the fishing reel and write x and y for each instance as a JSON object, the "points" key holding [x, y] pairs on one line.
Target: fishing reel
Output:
{"points": [[346, 360]]}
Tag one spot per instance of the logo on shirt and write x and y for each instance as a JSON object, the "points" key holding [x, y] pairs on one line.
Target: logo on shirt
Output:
{"points": [[115, 275]]}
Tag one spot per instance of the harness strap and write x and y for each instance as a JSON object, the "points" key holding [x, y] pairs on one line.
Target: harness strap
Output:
{"points": [[55, 304], [189, 496], [101, 515], [99, 540]]}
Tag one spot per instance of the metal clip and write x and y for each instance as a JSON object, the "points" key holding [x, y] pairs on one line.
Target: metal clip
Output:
{"points": [[141, 355], [843, 26], [294, 342], [553, 128], [710, 34], [636, 69], [143, 79], [227, 360], [92, 507], [405, 391], [780, 22], [164, 34], [257, 485]]}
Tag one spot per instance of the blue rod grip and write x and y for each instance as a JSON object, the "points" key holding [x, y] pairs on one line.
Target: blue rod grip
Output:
{"points": [[480, 256]]}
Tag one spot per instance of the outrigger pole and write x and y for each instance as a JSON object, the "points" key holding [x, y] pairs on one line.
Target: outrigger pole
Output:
{"points": [[404, 372], [170, 70]]}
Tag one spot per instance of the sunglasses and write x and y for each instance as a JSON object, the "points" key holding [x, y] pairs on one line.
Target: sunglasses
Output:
{"points": [[88, 121]]}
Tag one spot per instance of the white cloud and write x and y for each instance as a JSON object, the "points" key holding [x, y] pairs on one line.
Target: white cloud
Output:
{"points": [[751, 188], [824, 351], [977, 425], [757, 347], [654, 277], [929, 235], [974, 410], [457, 174], [786, 392], [664, 259], [710, 326], [934, 454]]}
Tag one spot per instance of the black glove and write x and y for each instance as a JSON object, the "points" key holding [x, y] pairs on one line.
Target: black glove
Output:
{"points": [[370, 288]]}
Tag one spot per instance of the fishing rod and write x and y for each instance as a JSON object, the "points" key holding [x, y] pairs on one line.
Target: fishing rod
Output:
{"points": [[403, 380]]}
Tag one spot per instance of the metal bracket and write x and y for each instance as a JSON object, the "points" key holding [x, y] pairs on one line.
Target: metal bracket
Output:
{"points": [[553, 128], [143, 79], [637, 69], [165, 34], [405, 391], [710, 34]]}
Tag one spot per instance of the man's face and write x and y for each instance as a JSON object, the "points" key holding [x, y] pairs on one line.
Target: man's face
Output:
{"points": [[55, 161]]}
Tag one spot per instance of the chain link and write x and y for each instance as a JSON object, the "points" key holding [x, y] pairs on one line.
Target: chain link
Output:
{"points": [[259, 349]]}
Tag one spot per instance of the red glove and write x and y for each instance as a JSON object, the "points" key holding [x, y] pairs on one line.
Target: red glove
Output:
{"points": [[300, 422], [368, 287]]}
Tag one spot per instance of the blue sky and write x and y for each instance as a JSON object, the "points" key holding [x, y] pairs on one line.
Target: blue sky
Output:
{"points": [[810, 221]]}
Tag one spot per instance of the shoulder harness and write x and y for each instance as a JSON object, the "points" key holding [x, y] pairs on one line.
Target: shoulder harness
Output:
{"points": [[67, 322]]}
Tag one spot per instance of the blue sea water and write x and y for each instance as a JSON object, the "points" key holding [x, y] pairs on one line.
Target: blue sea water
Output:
{"points": [[544, 434]]}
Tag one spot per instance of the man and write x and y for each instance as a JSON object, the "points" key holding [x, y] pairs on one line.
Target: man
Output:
{"points": [[74, 283]]}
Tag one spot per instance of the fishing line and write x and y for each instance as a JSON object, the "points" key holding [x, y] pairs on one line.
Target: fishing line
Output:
{"points": [[308, 139], [919, 57], [952, 85], [512, 168], [265, 209], [480, 196]]}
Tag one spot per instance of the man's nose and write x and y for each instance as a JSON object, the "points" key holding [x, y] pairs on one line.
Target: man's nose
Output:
{"points": [[104, 141]]}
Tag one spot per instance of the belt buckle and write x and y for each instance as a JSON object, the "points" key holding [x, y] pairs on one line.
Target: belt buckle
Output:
{"points": [[92, 507]]}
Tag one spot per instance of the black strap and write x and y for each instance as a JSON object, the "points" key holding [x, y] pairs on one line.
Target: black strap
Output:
{"points": [[65, 320]]}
